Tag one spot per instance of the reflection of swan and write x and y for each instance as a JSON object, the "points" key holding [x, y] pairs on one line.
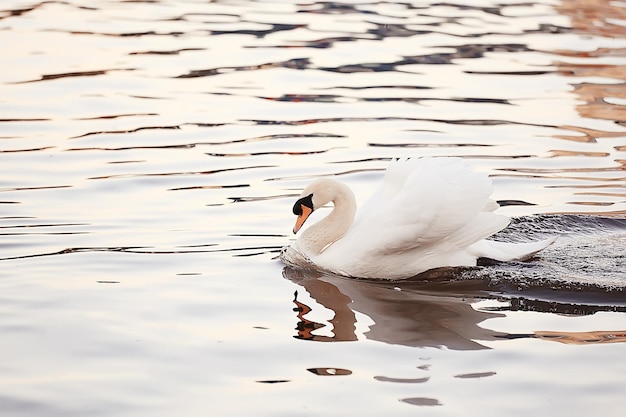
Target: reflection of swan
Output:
{"points": [[428, 213], [407, 317], [418, 314]]}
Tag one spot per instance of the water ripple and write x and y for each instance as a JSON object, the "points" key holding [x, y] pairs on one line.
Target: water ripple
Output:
{"points": [[48, 77], [159, 146]]}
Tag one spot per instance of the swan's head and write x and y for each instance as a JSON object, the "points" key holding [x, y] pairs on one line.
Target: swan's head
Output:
{"points": [[313, 197]]}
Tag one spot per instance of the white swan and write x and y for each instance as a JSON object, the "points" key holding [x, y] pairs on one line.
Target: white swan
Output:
{"points": [[428, 213]]}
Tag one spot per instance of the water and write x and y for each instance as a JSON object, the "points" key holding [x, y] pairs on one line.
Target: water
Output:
{"points": [[150, 155]]}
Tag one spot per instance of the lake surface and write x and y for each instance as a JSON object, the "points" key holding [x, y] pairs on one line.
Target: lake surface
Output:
{"points": [[150, 154]]}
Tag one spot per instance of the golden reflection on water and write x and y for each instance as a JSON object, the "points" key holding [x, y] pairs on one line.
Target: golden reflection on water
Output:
{"points": [[583, 338], [593, 17]]}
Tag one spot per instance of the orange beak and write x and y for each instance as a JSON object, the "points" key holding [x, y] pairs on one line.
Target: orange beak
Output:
{"points": [[306, 212]]}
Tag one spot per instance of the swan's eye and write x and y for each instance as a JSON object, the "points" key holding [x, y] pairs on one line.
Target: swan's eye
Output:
{"points": [[304, 201]]}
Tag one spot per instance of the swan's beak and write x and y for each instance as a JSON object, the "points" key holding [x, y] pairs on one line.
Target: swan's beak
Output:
{"points": [[303, 209], [305, 212]]}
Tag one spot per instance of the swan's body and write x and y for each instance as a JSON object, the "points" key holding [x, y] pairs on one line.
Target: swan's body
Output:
{"points": [[428, 213]]}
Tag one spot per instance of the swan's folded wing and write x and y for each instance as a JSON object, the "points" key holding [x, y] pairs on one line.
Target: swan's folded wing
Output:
{"points": [[424, 202]]}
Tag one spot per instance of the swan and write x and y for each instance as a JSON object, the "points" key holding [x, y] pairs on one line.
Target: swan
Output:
{"points": [[427, 213]]}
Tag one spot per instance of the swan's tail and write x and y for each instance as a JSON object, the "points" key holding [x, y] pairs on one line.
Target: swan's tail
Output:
{"points": [[507, 251]]}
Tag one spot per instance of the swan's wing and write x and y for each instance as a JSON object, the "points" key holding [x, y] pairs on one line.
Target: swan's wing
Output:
{"points": [[509, 251], [426, 202], [396, 175]]}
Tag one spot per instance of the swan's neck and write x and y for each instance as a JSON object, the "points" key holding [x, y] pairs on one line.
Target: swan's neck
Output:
{"points": [[332, 227]]}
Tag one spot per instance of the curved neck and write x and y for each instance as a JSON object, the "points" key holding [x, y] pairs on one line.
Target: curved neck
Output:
{"points": [[332, 227]]}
